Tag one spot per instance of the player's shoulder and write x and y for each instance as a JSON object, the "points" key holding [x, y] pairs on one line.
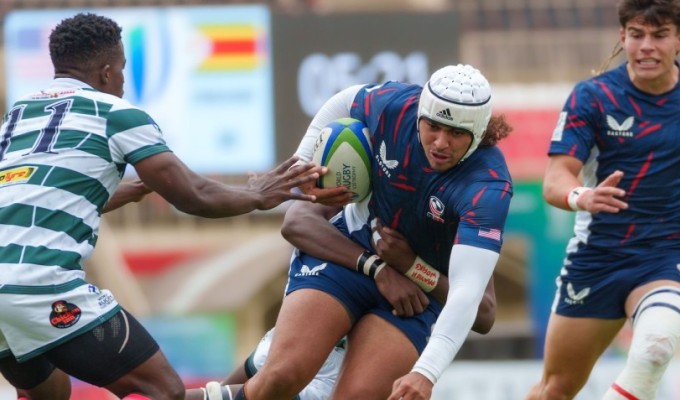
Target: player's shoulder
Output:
{"points": [[390, 89], [391, 97], [488, 161], [604, 83], [116, 103], [120, 112], [485, 170]]}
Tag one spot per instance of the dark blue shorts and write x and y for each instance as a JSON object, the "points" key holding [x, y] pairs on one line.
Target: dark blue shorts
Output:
{"points": [[595, 283], [359, 295]]}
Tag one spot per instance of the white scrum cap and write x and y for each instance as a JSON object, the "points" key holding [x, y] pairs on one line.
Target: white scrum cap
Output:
{"points": [[458, 96]]}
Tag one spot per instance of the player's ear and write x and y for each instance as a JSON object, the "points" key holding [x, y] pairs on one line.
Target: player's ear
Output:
{"points": [[105, 74]]}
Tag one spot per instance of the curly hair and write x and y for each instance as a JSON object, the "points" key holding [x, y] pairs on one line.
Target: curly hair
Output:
{"points": [[497, 129], [83, 41]]}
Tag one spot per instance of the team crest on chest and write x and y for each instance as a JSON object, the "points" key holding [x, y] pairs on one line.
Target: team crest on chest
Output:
{"points": [[435, 209]]}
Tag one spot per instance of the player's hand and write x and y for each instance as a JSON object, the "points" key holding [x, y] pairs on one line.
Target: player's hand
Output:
{"points": [[405, 296], [606, 197], [333, 197], [412, 386], [276, 186], [392, 247]]}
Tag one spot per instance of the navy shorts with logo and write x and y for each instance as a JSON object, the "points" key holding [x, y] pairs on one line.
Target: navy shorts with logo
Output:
{"points": [[360, 296], [595, 283]]}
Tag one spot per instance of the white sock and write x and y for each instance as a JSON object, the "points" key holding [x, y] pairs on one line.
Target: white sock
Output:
{"points": [[656, 328]]}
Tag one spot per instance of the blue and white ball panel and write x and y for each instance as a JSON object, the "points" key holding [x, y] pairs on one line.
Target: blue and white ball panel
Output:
{"points": [[344, 147]]}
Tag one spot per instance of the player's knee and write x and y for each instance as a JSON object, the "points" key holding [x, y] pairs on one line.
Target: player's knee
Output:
{"points": [[360, 392], [169, 388], [558, 392], [656, 327], [176, 391], [561, 387], [172, 389], [173, 392], [654, 350], [352, 387], [286, 381]]}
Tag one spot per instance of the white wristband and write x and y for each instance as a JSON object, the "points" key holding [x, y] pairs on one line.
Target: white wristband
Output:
{"points": [[574, 194], [423, 275]]}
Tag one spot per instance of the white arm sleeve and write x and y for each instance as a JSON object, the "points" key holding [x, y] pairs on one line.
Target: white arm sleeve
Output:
{"points": [[470, 269], [336, 107]]}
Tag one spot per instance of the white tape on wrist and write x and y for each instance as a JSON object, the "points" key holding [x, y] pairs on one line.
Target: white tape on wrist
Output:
{"points": [[423, 275], [370, 264], [573, 196]]}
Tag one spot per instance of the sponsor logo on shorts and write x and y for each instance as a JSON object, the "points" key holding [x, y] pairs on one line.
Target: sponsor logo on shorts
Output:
{"points": [[574, 297], [306, 271], [104, 300], [64, 314]]}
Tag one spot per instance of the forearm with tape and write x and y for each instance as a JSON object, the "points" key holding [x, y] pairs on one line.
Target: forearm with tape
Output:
{"points": [[423, 275], [370, 264]]}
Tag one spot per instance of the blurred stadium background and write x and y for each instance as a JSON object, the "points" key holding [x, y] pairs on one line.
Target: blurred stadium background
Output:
{"points": [[233, 85]]}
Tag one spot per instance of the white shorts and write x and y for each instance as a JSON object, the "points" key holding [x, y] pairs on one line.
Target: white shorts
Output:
{"points": [[31, 324], [321, 387]]}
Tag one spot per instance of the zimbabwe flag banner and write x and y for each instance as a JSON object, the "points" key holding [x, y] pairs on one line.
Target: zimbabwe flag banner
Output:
{"points": [[235, 47]]}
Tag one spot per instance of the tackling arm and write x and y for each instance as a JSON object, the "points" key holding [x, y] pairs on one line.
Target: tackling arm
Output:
{"points": [[194, 194], [306, 226], [393, 247]]}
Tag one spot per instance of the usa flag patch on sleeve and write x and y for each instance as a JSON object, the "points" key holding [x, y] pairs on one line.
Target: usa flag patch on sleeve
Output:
{"points": [[494, 234]]}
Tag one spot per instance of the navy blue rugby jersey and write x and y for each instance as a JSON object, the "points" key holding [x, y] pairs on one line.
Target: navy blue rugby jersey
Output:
{"points": [[467, 204], [610, 125]]}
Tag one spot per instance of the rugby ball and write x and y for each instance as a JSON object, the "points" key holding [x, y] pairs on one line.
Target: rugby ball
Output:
{"points": [[344, 146]]}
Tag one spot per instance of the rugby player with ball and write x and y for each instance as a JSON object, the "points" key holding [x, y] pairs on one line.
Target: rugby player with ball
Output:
{"points": [[438, 179]]}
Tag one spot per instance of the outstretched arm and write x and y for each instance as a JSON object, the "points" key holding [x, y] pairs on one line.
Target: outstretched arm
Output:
{"points": [[194, 194]]}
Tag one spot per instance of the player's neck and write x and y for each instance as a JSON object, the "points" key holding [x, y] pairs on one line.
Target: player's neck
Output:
{"points": [[661, 84]]}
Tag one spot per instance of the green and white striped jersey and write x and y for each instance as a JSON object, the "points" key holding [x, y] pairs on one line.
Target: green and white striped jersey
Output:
{"points": [[63, 152]]}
